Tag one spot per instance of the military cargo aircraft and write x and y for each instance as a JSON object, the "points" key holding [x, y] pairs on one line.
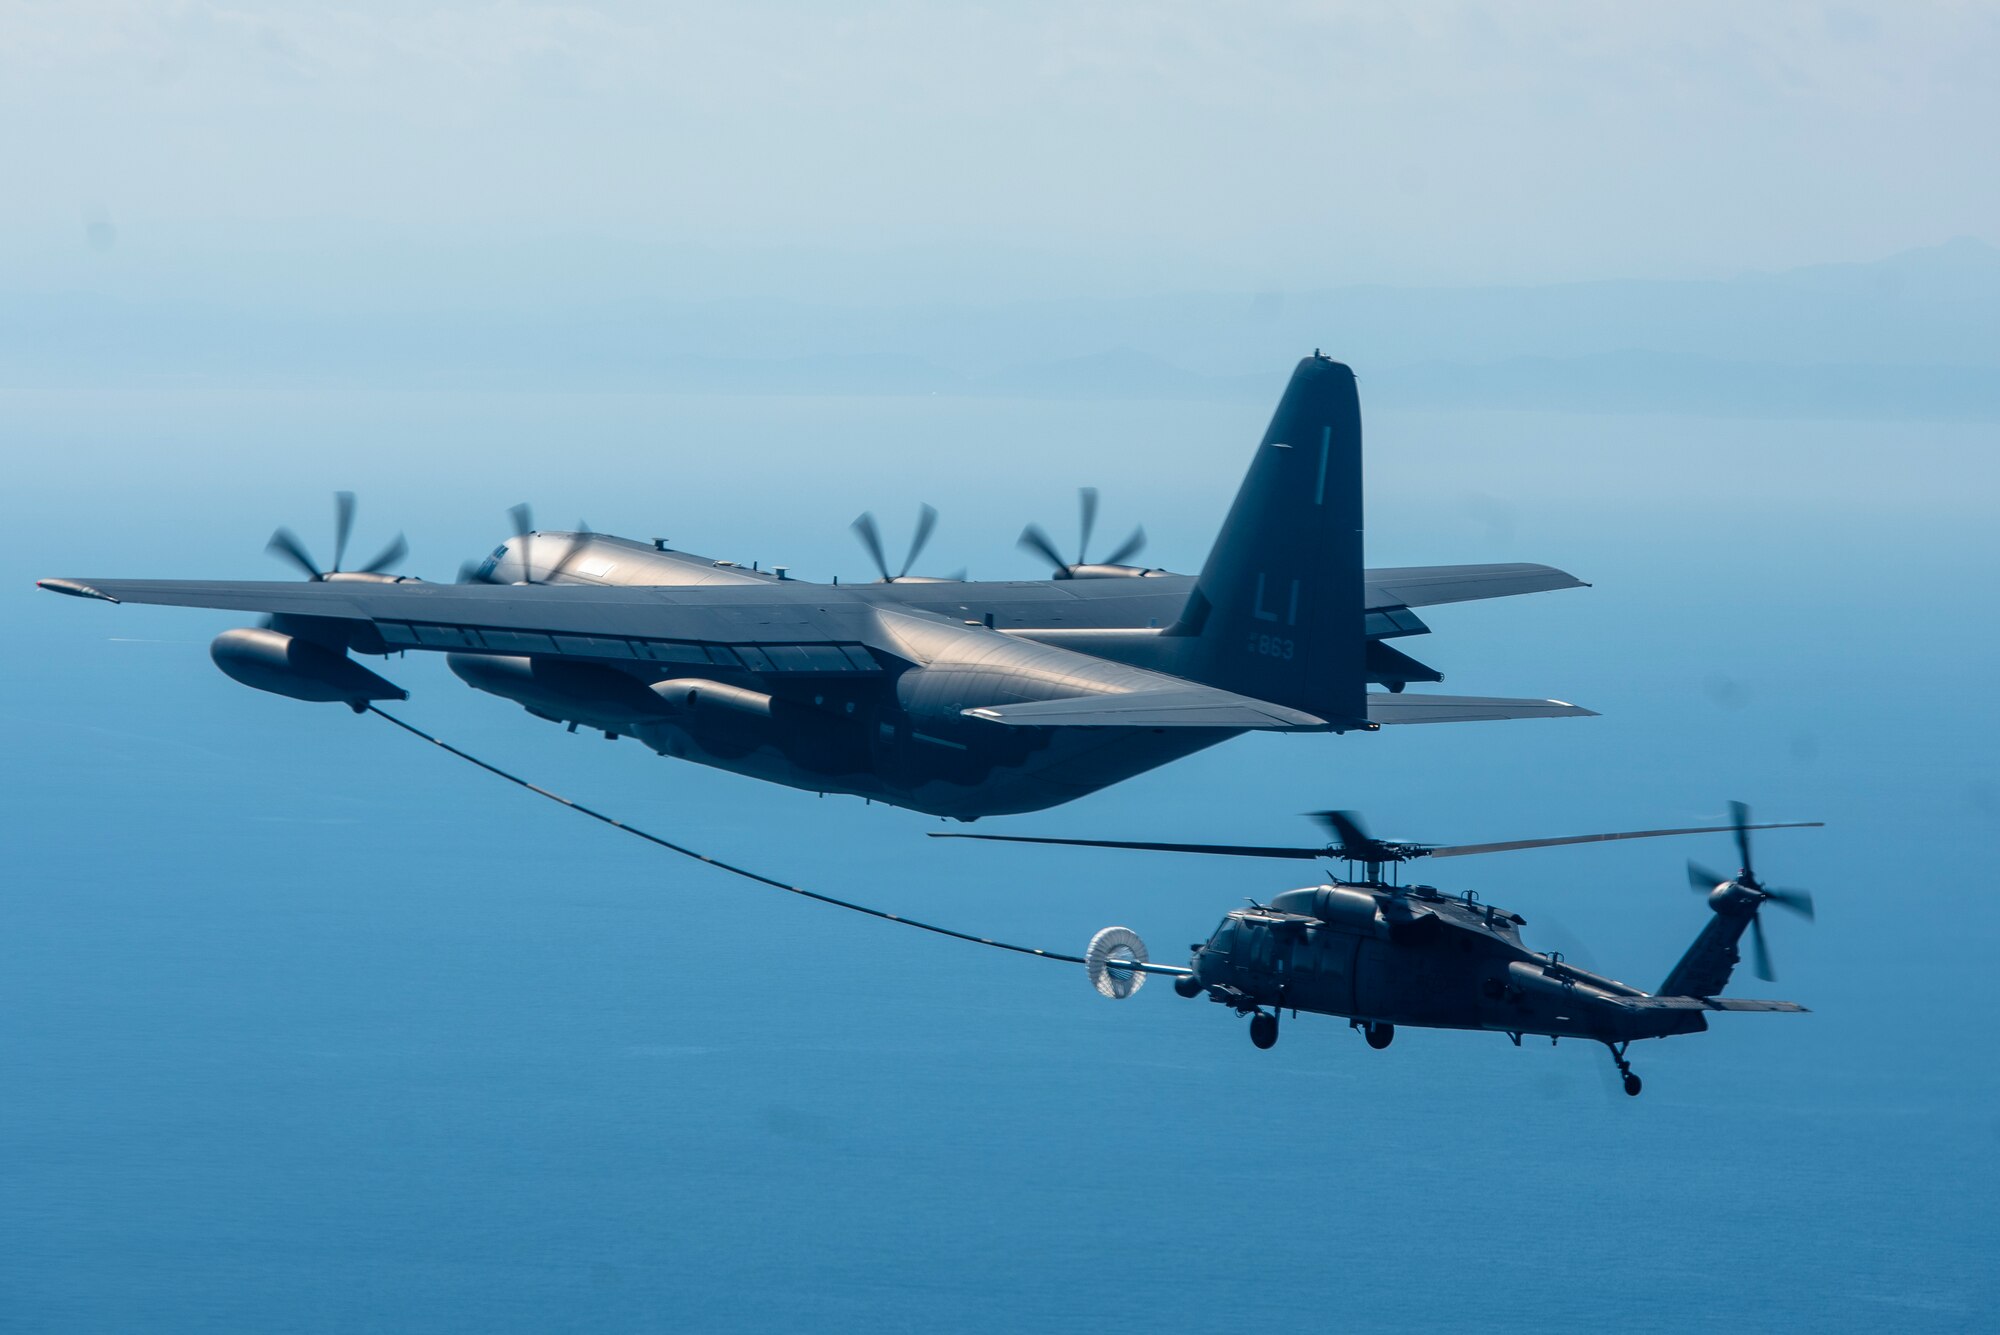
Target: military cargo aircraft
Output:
{"points": [[960, 699]]}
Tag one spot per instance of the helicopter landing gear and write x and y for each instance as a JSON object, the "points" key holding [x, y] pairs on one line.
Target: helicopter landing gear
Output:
{"points": [[1380, 1034], [1264, 1029], [1632, 1082]]}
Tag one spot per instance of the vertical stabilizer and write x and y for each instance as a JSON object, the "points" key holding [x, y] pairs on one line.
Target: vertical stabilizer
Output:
{"points": [[1277, 613]]}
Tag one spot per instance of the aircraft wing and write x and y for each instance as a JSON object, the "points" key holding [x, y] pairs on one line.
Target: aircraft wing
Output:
{"points": [[762, 629], [1189, 707], [1426, 586], [759, 628], [1388, 709]]}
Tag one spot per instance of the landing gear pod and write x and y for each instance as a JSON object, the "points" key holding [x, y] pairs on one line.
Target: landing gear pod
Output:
{"points": [[1108, 961], [271, 660]]}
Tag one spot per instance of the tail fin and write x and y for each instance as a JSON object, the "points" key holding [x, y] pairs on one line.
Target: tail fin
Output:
{"points": [[1277, 613], [1704, 970]]}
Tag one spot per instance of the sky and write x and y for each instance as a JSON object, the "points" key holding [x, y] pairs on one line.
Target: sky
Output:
{"points": [[304, 1026], [915, 151]]}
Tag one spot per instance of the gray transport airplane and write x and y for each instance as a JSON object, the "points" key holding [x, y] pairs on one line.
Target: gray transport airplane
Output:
{"points": [[960, 699]]}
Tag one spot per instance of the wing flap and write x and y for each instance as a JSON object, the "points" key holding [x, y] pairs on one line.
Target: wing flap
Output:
{"points": [[1189, 707], [1388, 710]]}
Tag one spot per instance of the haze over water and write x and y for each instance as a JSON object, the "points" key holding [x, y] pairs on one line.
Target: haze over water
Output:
{"points": [[309, 1026], [306, 1026]]}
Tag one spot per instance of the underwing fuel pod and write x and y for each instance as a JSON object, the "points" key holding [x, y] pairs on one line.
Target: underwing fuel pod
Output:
{"points": [[271, 660]]}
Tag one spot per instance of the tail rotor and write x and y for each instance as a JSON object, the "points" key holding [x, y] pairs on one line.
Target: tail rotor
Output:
{"points": [[1743, 895]]}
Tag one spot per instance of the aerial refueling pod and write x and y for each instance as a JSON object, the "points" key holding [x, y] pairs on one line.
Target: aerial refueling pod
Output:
{"points": [[271, 660]]}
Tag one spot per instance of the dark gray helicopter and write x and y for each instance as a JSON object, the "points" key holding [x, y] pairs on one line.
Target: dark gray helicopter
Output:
{"points": [[1382, 954], [951, 697]]}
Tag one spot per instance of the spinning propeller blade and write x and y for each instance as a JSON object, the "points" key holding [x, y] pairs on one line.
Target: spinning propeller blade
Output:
{"points": [[524, 533], [870, 534], [1034, 538], [1127, 549], [1760, 953], [871, 539], [285, 545], [343, 525], [388, 556], [1732, 895], [1701, 880]]}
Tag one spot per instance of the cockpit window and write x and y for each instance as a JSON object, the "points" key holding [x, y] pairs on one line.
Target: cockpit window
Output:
{"points": [[1224, 937]]}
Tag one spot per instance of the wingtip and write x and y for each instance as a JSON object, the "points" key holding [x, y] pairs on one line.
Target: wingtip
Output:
{"points": [[74, 588]]}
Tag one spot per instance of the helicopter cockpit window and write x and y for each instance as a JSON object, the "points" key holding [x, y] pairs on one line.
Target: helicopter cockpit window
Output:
{"points": [[1225, 936]]}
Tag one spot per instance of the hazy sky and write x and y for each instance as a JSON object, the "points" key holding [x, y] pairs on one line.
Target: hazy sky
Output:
{"points": [[1048, 146]]}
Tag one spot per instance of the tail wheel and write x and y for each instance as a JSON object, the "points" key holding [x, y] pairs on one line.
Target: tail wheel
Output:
{"points": [[1263, 1029], [1379, 1036]]}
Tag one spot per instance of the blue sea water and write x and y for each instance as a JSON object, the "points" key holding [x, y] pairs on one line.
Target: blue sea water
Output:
{"points": [[304, 1026]]}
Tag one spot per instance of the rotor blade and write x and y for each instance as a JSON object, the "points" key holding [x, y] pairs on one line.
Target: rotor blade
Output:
{"points": [[1467, 850], [1701, 879], [1345, 826], [1127, 549], [1739, 819], [1086, 499], [286, 545], [468, 573], [388, 556], [1035, 540], [871, 539], [1760, 954], [1798, 901], [1224, 850], [343, 524], [524, 529], [926, 525]]}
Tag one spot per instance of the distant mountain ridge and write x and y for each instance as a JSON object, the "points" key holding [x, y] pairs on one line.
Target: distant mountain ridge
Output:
{"points": [[1915, 334]]}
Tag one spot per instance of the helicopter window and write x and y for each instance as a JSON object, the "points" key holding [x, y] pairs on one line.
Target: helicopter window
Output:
{"points": [[1225, 936]]}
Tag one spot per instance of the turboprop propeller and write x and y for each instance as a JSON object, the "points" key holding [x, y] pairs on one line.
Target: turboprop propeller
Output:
{"points": [[870, 533], [285, 545], [1034, 538]]}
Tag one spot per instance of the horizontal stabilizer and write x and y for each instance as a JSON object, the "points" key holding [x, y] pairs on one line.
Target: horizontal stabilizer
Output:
{"points": [[1706, 1004], [1427, 586], [1192, 707], [1407, 708]]}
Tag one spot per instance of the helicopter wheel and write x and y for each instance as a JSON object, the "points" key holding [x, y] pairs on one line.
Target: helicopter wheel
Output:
{"points": [[1379, 1035], [1632, 1082], [1263, 1029]]}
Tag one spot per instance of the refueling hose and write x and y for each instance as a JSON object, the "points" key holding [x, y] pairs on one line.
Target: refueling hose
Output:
{"points": [[718, 863]]}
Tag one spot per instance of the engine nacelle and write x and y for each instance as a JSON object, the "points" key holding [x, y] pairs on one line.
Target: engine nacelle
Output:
{"points": [[1331, 904], [282, 664]]}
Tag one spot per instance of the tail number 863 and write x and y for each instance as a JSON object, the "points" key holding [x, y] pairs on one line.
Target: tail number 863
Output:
{"points": [[1271, 646]]}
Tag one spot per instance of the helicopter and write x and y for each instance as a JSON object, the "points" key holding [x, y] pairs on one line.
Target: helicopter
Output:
{"points": [[1382, 954]]}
